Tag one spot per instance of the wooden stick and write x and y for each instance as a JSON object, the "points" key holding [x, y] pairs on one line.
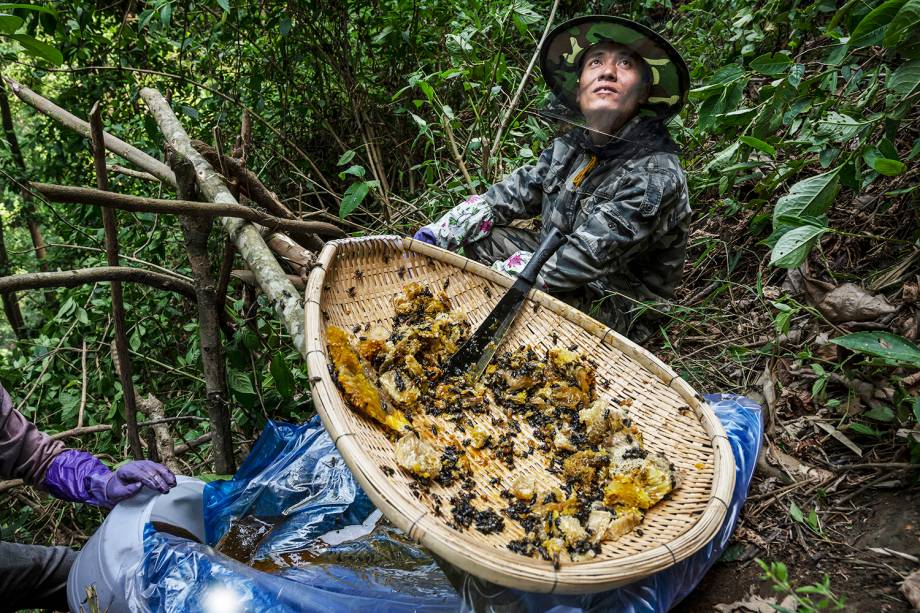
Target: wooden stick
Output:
{"points": [[189, 208], [10, 301], [83, 385], [284, 296], [110, 225], [130, 172], [81, 276], [496, 144], [248, 278], [134, 155]]}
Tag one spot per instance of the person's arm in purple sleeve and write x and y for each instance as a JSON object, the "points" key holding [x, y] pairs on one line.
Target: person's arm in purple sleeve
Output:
{"points": [[29, 454]]}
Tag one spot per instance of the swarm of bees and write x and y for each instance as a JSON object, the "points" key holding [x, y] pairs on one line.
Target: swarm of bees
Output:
{"points": [[527, 400]]}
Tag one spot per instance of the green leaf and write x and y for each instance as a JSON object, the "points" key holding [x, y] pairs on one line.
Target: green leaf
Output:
{"points": [[353, 197], [772, 64], [881, 413], [882, 165], [760, 145], [916, 409], [285, 26], [6, 6], [38, 49], [166, 14], [838, 127], [906, 21], [354, 170], [885, 345], [872, 28], [863, 429], [793, 247], [240, 382], [796, 513], [224, 4], [284, 378], [346, 157], [808, 198], [9, 23], [905, 79]]}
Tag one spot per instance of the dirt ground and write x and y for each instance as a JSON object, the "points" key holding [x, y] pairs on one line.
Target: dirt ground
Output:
{"points": [[869, 580]]}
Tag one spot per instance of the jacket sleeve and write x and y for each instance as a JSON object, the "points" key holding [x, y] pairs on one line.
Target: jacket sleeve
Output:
{"points": [[619, 227], [25, 451], [520, 194]]}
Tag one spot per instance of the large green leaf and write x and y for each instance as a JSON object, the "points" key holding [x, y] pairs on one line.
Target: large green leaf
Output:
{"points": [[905, 79], [772, 64], [353, 197], [284, 378], [241, 383], [837, 127], [9, 23], [906, 21], [793, 247], [883, 165], [810, 197], [872, 28], [37, 48], [9, 6], [890, 347], [762, 146]]}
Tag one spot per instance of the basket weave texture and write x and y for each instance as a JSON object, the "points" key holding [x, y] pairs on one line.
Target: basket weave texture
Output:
{"points": [[355, 282]]}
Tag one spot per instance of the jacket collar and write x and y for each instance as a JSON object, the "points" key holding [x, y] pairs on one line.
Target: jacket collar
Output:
{"points": [[638, 137]]}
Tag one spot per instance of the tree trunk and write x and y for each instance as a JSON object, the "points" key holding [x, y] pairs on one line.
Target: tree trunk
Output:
{"points": [[196, 232], [10, 302]]}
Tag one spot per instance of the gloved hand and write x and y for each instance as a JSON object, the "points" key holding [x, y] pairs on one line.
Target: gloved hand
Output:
{"points": [[79, 476], [425, 235]]}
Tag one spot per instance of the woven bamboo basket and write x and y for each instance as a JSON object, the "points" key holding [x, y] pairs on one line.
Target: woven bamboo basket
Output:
{"points": [[355, 282]]}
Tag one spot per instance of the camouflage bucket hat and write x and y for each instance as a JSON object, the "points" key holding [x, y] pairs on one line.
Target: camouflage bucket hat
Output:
{"points": [[560, 60]]}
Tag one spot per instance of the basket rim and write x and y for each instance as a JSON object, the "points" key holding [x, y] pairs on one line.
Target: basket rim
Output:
{"points": [[505, 567]]}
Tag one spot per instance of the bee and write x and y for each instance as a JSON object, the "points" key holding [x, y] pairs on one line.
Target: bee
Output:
{"points": [[488, 292], [387, 470], [401, 273], [386, 258], [356, 329], [351, 292], [446, 283], [359, 274], [434, 429], [327, 287], [325, 316], [536, 307], [494, 481], [555, 338], [573, 347], [315, 379]]}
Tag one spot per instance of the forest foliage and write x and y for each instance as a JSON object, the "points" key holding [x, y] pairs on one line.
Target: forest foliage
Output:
{"points": [[800, 143]]}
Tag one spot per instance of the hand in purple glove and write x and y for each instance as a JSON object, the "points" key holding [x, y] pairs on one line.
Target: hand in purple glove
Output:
{"points": [[79, 476], [129, 479], [425, 235]]}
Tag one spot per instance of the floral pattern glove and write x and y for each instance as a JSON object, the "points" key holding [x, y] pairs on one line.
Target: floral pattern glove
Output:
{"points": [[467, 222]]}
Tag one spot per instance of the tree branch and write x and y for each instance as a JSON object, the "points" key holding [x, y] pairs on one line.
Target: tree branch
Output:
{"points": [[134, 155], [110, 226], [285, 298], [187, 208], [81, 276]]}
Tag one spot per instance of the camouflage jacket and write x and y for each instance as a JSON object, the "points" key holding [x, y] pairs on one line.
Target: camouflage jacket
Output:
{"points": [[624, 207]]}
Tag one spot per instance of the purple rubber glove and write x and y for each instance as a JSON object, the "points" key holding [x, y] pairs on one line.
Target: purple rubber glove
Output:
{"points": [[425, 235], [79, 476]]}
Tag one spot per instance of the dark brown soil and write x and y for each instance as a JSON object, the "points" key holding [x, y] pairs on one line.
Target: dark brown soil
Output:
{"points": [[868, 580]]}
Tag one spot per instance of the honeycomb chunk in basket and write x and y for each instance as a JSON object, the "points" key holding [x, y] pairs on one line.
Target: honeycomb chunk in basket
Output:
{"points": [[356, 381], [418, 456]]}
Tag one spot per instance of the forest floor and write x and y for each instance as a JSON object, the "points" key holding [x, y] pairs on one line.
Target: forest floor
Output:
{"points": [[850, 556]]}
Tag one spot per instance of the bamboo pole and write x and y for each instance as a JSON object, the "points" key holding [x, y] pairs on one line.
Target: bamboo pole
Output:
{"points": [[271, 278], [110, 226]]}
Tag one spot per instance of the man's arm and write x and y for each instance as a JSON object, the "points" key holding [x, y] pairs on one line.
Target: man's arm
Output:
{"points": [[25, 451], [618, 229], [517, 196]]}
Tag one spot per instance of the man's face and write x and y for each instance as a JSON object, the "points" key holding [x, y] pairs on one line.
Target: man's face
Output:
{"points": [[611, 86]]}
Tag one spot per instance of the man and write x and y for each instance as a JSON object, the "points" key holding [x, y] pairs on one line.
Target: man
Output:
{"points": [[34, 576], [614, 187]]}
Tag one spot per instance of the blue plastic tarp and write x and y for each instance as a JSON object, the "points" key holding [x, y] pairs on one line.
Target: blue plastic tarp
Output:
{"points": [[295, 476]]}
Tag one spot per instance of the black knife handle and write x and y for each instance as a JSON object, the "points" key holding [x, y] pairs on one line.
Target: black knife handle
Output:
{"points": [[547, 248]]}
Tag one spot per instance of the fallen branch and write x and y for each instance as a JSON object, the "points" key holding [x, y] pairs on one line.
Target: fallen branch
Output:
{"points": [[285, 298], [134, 155], [248, 278], [130, 172], [81, 276], [188, 208]]}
